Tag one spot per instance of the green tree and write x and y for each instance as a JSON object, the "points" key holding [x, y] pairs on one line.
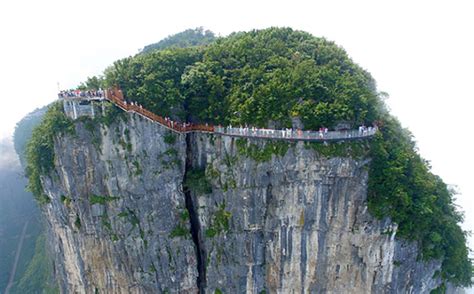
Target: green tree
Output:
{"points": [[40, 148], [92, 83]]}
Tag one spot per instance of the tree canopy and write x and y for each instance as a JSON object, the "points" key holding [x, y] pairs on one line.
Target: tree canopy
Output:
{"points": [[258, 78]]}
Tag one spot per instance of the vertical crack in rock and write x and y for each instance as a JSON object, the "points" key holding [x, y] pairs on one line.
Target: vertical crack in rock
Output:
{"points": [[265, 222], [194, 222]]}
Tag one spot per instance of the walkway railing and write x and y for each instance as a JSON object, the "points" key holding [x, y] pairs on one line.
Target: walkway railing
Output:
{"points": [[297, 135], [115, 96]]}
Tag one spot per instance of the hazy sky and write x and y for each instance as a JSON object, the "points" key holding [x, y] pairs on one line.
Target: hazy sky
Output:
{"points": [[420, 52]]}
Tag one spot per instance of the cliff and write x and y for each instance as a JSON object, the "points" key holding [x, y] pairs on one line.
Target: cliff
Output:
{"points": [[137, 209]]}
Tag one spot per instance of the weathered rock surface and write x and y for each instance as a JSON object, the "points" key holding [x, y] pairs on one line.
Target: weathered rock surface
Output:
{"points": [[122, 244], [297, 223]]}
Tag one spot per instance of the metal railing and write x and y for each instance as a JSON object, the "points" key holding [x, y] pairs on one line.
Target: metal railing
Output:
{"points": [[296, 135]]}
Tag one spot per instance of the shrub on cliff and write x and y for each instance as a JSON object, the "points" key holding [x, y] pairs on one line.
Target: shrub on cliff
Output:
{"points": [[24, 129], [40, 148]]}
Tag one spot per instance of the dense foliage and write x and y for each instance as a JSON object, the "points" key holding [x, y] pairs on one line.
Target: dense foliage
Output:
{"points": [[40, 148], [267, 78], [24, 129], [187, 38], [154, 79], [255, 78], [92, 83]]}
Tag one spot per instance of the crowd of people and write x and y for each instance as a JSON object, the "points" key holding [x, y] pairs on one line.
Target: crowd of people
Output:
{"points": [[81, 94], [187, 126], [363, 130], [322, 133], [259, 132]]}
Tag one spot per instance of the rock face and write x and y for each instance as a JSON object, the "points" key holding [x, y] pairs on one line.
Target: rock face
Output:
{"points": [[123, 221], [116, 200]]}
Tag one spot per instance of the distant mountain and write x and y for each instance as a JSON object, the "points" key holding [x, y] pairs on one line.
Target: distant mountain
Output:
{"points": [[187, 38], [18, 211], [22, 242], [24, 128]]}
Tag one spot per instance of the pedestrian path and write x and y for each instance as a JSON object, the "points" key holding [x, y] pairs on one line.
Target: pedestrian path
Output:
{"points": [[116, 97]]}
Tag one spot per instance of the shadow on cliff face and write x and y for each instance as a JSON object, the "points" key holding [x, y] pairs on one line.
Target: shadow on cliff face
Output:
{"points": [[194, 223]]}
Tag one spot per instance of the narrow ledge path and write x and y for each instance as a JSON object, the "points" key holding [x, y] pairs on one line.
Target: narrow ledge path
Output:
{"points": [[116, 97]]}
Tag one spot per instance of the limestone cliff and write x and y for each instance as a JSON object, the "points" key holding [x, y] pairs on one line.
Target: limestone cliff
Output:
{"points": [[126, 217]]}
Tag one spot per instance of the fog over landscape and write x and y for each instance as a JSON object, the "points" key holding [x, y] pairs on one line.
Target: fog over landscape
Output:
{"points": [[9, 158]]}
